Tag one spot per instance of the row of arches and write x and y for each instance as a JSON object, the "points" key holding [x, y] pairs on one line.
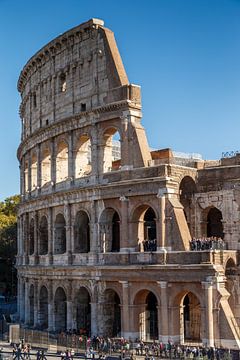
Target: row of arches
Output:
{"points": [[146, 316], [54, 165], [109, 232]]}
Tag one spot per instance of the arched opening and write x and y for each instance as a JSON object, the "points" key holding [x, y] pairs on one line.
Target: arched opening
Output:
{"points": [[187, 190], [144, 228], [83, 157], [112, 314], [112, 150], [43, 236], [34, 172], [110, 231], [43, 308], [60, 235], [31, 305], [60, 310], [45, 167], [191, 317], [31, 237], [214, 223], [83, 312], [115, 233], [146, 306], [62, 162], [81, 233]]}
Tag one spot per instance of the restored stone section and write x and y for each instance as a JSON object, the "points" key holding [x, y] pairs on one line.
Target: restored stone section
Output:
{"points": [[104, 223]]}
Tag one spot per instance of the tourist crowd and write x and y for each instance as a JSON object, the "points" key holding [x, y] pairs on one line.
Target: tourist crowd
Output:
{"points": [[147, 245], [207, 243]]}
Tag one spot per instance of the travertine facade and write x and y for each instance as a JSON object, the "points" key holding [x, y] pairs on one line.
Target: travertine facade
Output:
{"points": [[85, 214]]}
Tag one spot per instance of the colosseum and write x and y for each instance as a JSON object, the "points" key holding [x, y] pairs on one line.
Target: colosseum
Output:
{"points": [[115, 238]]}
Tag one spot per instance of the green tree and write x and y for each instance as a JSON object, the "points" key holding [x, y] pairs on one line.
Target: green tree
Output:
{"points": [[8, 243]]}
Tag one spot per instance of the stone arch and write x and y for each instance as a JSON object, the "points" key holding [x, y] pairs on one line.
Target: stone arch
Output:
{"points": [[34, 171], [187, 316], [60, 310], [31, 305], [146, 315], [187, 189], [62, 161], [31, 237], [43, 308], [144, 230], [83, 156], [110, 230], [60, 235], [111, 311], [45, 166], [83, 311], [111, 139], [81, 233], [43, 236], [212, 222]]}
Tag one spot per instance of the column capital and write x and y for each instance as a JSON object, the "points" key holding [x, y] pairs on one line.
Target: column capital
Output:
{"points": [[125, 284], [162, 284]]}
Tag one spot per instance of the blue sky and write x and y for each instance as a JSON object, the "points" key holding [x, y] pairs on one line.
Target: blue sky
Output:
{"points": [[185, 54]]}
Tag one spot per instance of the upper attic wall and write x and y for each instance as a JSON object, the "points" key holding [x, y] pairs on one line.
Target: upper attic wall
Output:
{"points": [[79, 71]]}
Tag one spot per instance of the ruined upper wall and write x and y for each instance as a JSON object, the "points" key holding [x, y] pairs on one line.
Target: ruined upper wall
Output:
{"points": [[77, 72]]}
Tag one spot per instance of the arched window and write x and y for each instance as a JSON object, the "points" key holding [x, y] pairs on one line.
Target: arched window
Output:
{"points": [[60, 235], [83, 157], [43, 236], [191, 317], [214, 223], [144, 228], [31, 237], [81, 233], [60, 310], [111, 150], [110, 231], [45, 167], [43, 308], [111, 307], [62, 162], [34, 172], [83, 311]]}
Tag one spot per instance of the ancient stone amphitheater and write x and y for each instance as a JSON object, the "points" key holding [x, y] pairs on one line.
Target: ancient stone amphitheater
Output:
{"points": [[105, 223]]}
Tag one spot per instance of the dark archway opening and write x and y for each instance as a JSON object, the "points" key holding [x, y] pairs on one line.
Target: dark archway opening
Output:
{"points": [[115, 233], [214, 223], [152, 317]]}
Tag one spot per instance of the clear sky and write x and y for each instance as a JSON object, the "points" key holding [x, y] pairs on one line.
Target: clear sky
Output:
{"points": [[185, 54]]}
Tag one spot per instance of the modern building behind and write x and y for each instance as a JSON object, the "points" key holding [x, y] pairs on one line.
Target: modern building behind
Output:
{"points": [[104, 235]]}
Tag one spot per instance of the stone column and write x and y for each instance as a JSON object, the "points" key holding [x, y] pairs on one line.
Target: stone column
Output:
{"points": [[39, 169], [208, 287], [125, 244], [161, 230], [125, 151], [29, 173], [69, 305], [67, 215], [36, 238], [163, 316], [36, 304], [125, 310], [93, 228], [95, 153], [27, 303], [50, 235], [71, 168], [50, 306], [53, 163], [21, 299]]}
